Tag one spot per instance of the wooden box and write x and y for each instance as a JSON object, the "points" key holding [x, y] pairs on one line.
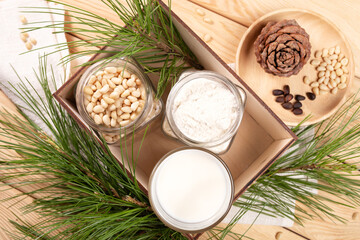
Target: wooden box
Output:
{"points": [[262, 137]]}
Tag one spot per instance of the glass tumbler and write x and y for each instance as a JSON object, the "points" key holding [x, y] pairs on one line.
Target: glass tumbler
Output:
{"points": [[218, 145]]}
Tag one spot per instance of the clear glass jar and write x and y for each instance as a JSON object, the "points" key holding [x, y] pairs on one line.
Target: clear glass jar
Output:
{"points": [[191, 198], [222, 143], [151, 109]]}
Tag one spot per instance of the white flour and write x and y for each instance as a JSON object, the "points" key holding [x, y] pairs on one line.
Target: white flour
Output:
{"points": [[204, 110]]}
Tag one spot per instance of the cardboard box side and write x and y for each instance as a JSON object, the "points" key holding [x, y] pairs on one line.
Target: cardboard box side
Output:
{"points": [[262, 163]]}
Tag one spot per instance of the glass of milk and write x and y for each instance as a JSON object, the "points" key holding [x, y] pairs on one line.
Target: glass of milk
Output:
{"points": [[191, 189], [204, 109]]}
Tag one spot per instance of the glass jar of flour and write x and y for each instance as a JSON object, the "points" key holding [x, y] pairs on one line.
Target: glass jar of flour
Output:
{"points": [[204, 109]]}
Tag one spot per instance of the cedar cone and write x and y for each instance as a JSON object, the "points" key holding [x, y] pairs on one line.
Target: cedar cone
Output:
{"points": [[282, 48]]}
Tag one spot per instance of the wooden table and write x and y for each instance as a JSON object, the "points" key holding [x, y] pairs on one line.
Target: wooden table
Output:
{"points": [[230, 19]]}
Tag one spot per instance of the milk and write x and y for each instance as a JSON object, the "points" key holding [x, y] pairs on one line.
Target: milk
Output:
{"points": [[192, 186]]}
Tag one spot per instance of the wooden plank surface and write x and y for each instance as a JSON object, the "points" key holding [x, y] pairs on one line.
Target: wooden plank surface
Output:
{"points": [[228, 21], [344, 14]]}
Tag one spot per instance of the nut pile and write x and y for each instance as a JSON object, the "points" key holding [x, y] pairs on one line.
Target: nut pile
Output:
{"points": [[114, 97], [284, 97], [331, 67], [29, 42]]}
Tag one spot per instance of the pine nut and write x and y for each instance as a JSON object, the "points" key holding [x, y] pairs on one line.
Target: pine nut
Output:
{"points": [[334, 90], [33, 41], [28, 45], [97, 119], [124, 123], [23, 19], [24, 37], [125, 94], [321, 74], [345, 69], [334, 56], [344, 62], [134, 106], [320, 80], [125, 116], [106, 120], [133, 116], [112, 107], [207, 38], [119, 112], [323, 92], [305, 79], [98, 109], [341, 56], [337, 49], [105, 88], [331, 51], [104, 104], [132, 99], [97, 94], [315, 90], [325, 52], [126, 74], [329, 67], [333, 75], [323, 87], [321, 68], [98, 85], [342, 85], [124, 84], [200, 12], [315, 62], [337, 65], [326, 80], [88, 90], [113, 115], [110, 69], [113, 122], [116, 80], [318, 54], [127, 102], [330, 86], [333, 83], [103, 82], [119, 89], [92, 80], [327, 73], [111, 84], [327, 60], [118, 102], [89, 107], [208, 20], [138, 82], [314, 84], [339, 72], [108, 76], [338, 80], [108, 100], [138, 94], [343, 79], [126, 109]]}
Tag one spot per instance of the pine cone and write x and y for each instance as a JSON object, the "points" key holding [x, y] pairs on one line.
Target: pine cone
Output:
{"points": [[282, 48]]}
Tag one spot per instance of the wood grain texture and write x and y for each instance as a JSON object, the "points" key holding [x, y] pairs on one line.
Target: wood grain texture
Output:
{"points": [[225, 35], [344, 14], [263, 83], [13, 210], [325, 229]]}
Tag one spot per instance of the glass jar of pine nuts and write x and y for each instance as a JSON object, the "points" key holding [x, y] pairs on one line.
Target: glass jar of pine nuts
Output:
{"points": [[116, 98]]}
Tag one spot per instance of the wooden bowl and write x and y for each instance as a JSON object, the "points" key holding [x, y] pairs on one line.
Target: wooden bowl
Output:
{"points": [[323, 34]]}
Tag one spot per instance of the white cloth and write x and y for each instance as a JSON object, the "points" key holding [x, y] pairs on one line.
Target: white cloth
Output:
{"points": [[11, 46]]}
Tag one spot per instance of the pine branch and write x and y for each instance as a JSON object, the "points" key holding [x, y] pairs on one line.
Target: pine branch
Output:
{"points": [[149, 35]]}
